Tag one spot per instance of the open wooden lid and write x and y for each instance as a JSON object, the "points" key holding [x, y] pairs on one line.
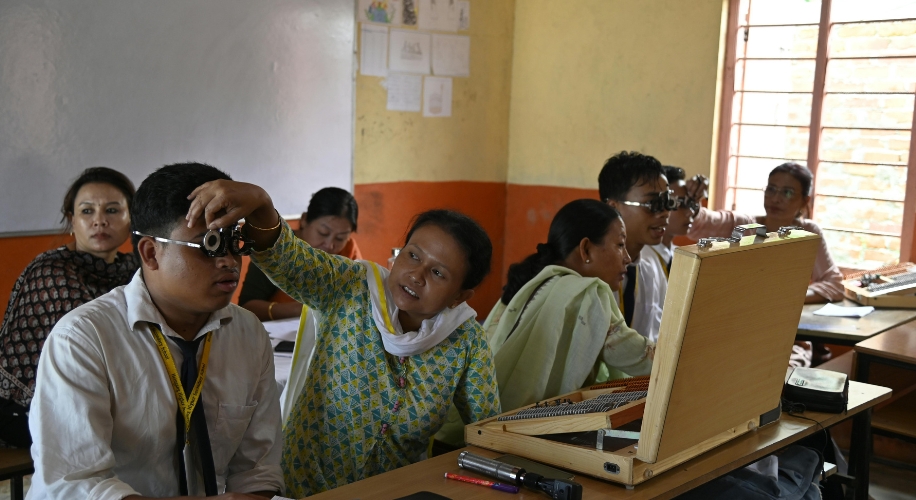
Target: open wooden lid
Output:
{"points": [[728, 325]]}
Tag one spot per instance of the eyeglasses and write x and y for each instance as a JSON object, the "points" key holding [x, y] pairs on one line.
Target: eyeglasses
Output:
{"points": [[663, 202], [688, 203], [216, 243], [787, 193]]}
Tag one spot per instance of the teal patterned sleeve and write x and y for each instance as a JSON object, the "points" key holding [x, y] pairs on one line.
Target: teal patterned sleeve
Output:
{"points": [[311, 276], [476, 396]]}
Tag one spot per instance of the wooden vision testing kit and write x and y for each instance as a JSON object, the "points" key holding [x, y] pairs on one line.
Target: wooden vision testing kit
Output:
{"points": [[728, 325]]}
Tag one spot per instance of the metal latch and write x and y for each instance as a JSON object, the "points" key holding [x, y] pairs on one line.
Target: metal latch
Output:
{"points": [[760, 230]]}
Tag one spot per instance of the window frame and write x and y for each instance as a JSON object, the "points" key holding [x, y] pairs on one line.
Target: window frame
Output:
{"points": [[723, 177]]}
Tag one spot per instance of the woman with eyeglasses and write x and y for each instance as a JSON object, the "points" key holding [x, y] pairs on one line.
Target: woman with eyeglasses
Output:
{"points": [[96, 212], [786, 200]]}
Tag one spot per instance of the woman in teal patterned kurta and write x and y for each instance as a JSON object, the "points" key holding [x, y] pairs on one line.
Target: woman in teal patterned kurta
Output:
{"points": [[363, 410]]}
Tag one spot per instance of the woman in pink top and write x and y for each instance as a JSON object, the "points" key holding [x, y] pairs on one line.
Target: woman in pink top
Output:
{"points": [[785, 201]]}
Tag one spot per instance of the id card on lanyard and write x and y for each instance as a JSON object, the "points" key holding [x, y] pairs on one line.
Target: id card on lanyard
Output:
{"points": [[186, 403]]}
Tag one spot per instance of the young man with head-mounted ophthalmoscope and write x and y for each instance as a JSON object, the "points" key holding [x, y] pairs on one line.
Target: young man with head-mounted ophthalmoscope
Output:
{"points": [[635, 185], [161, 388]]}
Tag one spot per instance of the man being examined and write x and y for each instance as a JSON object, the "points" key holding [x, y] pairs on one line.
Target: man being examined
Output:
{"points": [[161, 388], [635, 185]]}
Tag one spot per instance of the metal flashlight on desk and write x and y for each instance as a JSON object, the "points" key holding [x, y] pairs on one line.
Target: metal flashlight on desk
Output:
{"points": [[558, 489]]}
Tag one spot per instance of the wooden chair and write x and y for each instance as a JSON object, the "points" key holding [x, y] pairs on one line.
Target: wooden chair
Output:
{"points": [[15, 463]]}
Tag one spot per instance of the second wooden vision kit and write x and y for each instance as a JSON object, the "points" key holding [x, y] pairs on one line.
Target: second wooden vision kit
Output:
{"points": [[729, 322]]}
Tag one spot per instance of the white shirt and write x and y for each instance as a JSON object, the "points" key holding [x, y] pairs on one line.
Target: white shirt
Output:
{"points": [[651, 287], [103, 416]]}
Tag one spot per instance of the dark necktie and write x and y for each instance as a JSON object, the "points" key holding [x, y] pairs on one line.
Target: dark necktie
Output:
{"points": [[198, 421], [629, 295]]}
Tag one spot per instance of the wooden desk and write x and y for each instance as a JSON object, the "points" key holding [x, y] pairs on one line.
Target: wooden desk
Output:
{"points": [[848, 331], [428, 475], [895, 347], [15, 463]]}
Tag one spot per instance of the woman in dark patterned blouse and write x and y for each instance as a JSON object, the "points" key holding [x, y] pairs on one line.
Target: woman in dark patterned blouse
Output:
{"points": [[97, 210]]}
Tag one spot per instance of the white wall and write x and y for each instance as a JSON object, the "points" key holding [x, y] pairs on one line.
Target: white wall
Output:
{"points": [[260, 88]]}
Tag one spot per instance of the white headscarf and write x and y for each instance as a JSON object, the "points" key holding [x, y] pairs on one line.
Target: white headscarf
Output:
{"points": [[432, 331]]}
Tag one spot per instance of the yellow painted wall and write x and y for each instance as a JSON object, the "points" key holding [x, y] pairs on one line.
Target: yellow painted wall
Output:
{"points": [[593, 77], [471, 145]]}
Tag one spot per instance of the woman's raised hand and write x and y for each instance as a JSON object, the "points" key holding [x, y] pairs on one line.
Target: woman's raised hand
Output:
{"points": [[223, 203]]}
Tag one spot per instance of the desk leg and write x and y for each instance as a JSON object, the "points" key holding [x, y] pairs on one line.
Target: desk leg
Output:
{"points": [[860, 455], [16, 488], [863, 364]]}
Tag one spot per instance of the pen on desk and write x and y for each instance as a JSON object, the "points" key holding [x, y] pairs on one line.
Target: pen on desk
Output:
{"points": [[508, 488]]}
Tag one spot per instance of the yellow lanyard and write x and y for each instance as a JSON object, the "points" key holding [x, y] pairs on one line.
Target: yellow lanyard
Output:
{"points": [[662, 262], [302, 318], [185, 404], [382, 299]]}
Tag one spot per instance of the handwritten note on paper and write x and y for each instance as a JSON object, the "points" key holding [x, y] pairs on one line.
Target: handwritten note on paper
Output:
{"points": [[373, 50], [451, 55], [464, 15], [437, 97], [405, 92], [440, 15], [409, 52], [380, 11]]}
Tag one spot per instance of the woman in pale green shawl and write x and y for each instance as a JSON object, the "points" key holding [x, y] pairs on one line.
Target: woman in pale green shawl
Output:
{"points": [[557, 325]]}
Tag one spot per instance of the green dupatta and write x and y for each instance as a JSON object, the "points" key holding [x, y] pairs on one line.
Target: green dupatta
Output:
{"points": [[552, 336]]}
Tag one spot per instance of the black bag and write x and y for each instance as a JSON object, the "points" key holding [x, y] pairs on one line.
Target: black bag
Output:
{"points": [[818, 390]]}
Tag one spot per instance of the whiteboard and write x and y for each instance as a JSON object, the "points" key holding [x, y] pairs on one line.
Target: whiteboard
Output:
{"points": [[262, 89]]}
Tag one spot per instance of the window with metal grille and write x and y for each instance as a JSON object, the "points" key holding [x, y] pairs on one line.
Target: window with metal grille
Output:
{"points": [[829, 84]]}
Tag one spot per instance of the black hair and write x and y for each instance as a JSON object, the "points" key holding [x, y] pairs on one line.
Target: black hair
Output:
{"points": [[470, 236], [623, 171], [100, 175], [577, 219], [162, 200], [333, 201], [674, 174], [799, 172]]}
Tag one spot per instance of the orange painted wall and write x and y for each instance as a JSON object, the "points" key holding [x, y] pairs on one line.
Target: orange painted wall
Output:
{"points": [[386, 209], [529, 211]]}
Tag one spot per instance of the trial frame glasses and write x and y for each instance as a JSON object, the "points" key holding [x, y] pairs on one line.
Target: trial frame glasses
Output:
{"points": [[216, 243], [663, 202], [688, 203]]}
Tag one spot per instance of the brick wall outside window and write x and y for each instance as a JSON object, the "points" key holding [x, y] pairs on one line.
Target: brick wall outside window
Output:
{"points": [[861, 144]]}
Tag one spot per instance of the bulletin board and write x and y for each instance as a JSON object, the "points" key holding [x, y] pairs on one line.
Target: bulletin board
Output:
{"points": [[261, 89]]}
